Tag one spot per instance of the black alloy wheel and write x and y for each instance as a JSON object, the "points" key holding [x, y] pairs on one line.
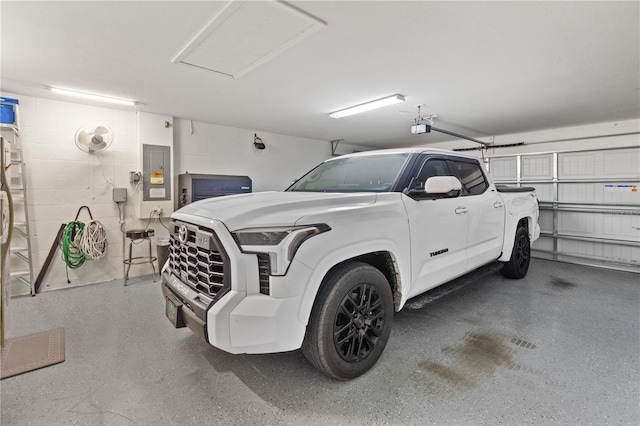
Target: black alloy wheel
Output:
{"points": [[518, 265], [359, 323], [350, 321]]}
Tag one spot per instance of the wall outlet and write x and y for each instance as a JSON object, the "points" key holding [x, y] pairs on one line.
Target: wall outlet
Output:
{"points": [[134, 177]]}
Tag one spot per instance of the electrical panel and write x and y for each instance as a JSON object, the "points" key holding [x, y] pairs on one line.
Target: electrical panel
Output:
{"points": [[156, 172]]}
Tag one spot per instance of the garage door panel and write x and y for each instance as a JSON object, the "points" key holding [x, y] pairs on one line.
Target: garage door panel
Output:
{"points": [[600, 251], [579, 193], [537, 167], [503, 168], [543, 243], [622, 193], [616, 226], [622, 163], [618, 163], [577, 165], [600, 192], [546, 220], [544, 191]]}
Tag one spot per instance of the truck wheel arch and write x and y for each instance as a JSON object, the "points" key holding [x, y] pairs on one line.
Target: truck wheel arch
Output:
{"points": [[526, 222], [383, 260]]}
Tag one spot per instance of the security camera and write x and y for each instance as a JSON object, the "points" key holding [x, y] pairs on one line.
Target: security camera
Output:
{"points": [[257, 142]]}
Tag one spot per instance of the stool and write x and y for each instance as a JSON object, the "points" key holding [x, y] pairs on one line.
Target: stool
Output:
{"points": [[135, 235]]}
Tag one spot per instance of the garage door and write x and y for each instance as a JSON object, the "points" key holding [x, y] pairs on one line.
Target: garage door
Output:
{"points": [[589, 203]]}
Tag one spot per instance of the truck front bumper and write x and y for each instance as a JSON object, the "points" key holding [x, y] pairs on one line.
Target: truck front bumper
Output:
{"points": [[237, 322]]}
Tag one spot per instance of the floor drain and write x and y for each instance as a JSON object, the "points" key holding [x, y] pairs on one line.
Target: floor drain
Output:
{"points": [[523, 343]]}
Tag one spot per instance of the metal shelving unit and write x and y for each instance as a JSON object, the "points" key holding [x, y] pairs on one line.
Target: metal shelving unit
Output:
{"points": [[20, 251]]}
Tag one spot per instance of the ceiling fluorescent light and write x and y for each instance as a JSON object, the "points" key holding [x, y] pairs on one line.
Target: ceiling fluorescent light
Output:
{"points": [[368, 106], [92, 97]]}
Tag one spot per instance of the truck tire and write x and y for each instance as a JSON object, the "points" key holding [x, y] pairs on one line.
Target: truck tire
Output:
{"points": [[350, 321], [518, 265]]}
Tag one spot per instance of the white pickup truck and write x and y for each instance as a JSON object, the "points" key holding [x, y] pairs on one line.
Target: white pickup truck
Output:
{"points": [[324, 264]]}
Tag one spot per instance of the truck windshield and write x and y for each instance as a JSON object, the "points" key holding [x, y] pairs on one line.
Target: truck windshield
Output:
{"points": [[368, 173]]}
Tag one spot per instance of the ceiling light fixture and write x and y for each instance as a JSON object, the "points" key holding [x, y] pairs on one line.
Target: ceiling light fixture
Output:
{"points": [[368, 106], [92, 96]]}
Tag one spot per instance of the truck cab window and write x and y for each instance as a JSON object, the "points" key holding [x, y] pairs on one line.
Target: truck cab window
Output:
{"points": [[429, 169], [470, 174]]}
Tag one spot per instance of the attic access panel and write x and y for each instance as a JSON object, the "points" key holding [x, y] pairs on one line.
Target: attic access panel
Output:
{"points": [[245, 34]]}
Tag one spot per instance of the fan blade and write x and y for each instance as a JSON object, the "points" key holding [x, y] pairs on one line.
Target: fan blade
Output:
{"points": [[101, 130], [97, 147], [84, 138]]}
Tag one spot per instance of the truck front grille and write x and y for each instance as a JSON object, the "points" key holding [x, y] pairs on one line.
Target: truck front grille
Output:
{"points": [[199, 261]]}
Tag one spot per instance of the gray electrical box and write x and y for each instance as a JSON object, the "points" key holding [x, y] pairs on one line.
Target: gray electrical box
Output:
{"points": [[156, 172], [119, 195]]}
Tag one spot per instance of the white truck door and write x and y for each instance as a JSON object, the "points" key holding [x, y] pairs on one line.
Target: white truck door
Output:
{"points": [[485, 211], [438, 232]]}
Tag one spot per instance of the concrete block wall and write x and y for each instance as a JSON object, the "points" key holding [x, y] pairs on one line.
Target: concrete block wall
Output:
{"points": [[61, 178]]}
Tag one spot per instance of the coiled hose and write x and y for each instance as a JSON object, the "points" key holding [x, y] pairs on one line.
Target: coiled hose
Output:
{"points": [[70, 244], [80, 242], [93, 242]]}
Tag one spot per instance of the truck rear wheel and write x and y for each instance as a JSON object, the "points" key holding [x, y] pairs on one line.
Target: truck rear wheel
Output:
{"points": [[518, 265], [350, 321]]}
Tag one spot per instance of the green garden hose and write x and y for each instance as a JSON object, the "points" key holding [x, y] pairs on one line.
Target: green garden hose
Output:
{"points": [[70, 244]]}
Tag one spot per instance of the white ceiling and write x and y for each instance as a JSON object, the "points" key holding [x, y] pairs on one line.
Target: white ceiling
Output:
{"points": [[486, 68]]}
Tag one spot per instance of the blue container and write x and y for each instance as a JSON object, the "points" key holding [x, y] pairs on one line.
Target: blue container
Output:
{"points": [[7, 113]]}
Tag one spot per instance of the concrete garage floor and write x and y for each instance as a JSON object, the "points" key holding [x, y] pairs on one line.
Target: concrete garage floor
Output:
{"points": [[561, 346]]}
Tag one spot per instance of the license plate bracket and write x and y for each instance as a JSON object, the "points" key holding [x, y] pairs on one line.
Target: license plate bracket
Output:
{"points": [[173, 311]]}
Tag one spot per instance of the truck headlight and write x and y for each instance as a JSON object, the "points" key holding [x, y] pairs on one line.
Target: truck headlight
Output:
{"points": [[280, 243]]}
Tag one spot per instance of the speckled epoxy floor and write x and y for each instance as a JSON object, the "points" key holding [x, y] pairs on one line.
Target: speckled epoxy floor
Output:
{"points": [[561, 346]]}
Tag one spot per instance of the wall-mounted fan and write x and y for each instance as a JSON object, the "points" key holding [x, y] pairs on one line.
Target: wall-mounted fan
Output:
{"points": [[93, 138]]}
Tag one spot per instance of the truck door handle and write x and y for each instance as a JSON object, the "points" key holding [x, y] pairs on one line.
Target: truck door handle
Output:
{"points": [[498, 204], [461, 210]]}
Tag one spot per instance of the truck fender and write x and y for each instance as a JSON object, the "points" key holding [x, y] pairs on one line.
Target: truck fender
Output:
{"points": [[511, 226], [343, 254]]}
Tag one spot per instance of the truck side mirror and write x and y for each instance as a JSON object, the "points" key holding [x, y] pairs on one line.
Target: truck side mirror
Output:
{"points": [[442, 185], [438, 187]]}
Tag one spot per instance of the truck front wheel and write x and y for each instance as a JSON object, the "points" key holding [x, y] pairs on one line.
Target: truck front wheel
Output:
{"points": [[518, 265], [350, 321]]}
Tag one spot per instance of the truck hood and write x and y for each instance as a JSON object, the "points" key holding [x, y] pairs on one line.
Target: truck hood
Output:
{"points": [[271, 208]]}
